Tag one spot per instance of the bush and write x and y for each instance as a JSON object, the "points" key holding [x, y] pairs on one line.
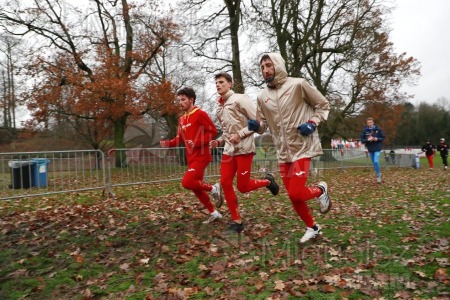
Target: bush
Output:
{"points": [[6, 135]]}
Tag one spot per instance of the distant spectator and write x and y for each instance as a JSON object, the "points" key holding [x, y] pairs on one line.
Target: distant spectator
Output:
{"points": [[430, 151], [443, 149], [373, 137], [392, 156]]}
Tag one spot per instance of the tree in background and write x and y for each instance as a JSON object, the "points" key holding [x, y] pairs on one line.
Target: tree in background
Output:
{"points": [[343, 48], [216, 36], [386, 116], [98, 72], [426, 121], [9, 48]]}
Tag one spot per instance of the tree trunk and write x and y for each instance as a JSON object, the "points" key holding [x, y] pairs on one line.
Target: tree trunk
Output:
{"points": [[327, 155], [234, 12], [119, 132], [12, 96], [5, 101], [172, 124]]}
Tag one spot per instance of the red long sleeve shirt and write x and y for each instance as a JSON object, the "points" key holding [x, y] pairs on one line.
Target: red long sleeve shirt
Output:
{"points": [[198, 127]]}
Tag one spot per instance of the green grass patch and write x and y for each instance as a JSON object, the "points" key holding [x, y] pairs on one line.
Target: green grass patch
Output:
{"points": [[379, 241]]}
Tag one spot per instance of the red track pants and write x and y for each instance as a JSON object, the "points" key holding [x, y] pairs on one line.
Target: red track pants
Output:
{"points": [[240, 165], [193, 180], [430, 161], [294, 177]]}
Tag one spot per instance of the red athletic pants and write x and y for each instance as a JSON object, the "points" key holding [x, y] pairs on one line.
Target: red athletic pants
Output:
{"points": [[430, 161], [193, 180], [240, 165], [294, 177]]}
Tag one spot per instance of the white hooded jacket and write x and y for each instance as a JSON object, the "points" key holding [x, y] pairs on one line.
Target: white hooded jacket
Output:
{"points": [[233, 112], [286, 103]]}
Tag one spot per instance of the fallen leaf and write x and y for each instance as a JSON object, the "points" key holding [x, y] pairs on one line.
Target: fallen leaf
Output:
{"points": [[264, 276], [279, 285], [441, 275], [124, 266], [144, 261]]}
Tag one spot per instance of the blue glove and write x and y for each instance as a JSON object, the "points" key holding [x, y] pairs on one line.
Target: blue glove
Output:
{"points": [[253, 125], [306, 129]]}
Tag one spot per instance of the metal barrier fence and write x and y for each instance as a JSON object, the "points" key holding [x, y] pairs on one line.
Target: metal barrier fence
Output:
{"points": [[25, 174], [42, 173]]}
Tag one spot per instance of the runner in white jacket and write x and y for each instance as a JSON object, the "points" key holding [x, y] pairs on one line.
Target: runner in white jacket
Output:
{"points": [[292, 109], [233, 111]]}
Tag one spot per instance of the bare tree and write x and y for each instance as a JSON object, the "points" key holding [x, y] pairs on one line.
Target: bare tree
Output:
{"points": [[104, 62], [214, 35], [9, 46], [343, 48]]}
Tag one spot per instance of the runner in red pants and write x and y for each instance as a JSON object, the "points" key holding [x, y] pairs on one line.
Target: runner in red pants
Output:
{"points": [[294, 177], [430, 151], [292, 109], [233, 112], [196, 130]]}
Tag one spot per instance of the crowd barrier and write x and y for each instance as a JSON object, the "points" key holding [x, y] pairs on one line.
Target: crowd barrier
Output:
{"points": [[29, 174]]}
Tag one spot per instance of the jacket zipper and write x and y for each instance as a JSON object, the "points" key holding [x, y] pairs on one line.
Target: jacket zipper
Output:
{"points": [[282, 128]]}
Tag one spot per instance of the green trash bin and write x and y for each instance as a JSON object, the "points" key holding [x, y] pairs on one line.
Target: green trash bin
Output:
{"points": [[20, 174], [39, 172]]}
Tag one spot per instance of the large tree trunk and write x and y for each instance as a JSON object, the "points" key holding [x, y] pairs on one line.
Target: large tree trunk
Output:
{"points": [[327, 155], [234, 12], [119, 132], [172, 124]]}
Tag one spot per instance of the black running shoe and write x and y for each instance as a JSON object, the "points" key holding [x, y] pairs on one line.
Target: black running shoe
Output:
{"points": [[235, 228], [273, 186]]}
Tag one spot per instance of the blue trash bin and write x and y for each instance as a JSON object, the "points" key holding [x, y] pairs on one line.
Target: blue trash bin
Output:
{"points": [[39, 172]]}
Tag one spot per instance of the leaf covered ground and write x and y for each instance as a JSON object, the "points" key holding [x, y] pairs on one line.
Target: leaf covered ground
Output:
{"points": [[388, 241]]}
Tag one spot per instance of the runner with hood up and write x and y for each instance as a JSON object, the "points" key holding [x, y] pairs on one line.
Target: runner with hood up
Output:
{"points": [[292, 109]]}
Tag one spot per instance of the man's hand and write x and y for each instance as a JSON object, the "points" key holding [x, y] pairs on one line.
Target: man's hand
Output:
{"points": [[214, 144], [190, 143], [234, 138], [164, 144], [253, 125], [307, 128]]}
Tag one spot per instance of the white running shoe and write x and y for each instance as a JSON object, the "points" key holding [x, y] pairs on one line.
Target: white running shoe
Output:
{"points": [[214, 216], [324, 199], [217, 195], [310, 234], [379, 179]]}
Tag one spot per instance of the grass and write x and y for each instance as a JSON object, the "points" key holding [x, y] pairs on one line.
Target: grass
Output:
{"points": [[380, 241]]}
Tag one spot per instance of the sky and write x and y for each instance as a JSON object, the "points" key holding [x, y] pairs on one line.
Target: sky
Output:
{"points": [[421, 29]]}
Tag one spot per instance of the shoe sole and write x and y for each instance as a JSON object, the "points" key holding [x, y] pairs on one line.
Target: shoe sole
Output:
{"points": [[218, 201], [231, 231], [219, 197], [212, 221], [272, 179], [329, 200], [313, 239], [329, 207]]}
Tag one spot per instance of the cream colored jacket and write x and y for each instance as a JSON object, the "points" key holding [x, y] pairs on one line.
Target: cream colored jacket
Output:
{"points": [[233, 112], [286, 103]]}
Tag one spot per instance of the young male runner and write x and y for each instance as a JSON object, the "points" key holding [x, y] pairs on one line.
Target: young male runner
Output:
{"points": [[373, 137], [196, 130], [430, 151], [234, 110]]}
